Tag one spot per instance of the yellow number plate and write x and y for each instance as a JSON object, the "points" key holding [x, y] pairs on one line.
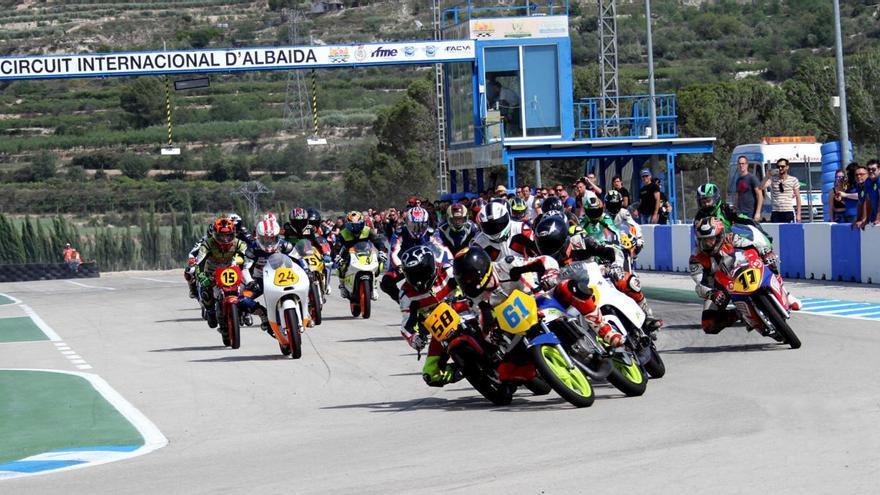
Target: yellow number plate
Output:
{"points": [[747, 281], [626, 242], [285, 276], [442, 321], [228, 277], [518, 313]]}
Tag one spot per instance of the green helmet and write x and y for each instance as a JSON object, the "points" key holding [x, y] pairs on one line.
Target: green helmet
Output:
{"points": [[518, 209], [708, 197]]}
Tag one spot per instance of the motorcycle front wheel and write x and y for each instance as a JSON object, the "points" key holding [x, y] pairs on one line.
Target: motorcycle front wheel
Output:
{"points": [[779, 322], [294, 337], [366, 297], [569, 382], [232, 327], [628, 378], [655, 366], [315, 303]]}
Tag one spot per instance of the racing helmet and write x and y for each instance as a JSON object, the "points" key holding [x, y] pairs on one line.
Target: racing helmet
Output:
{"points": [[518, 209], [472, 268], [613, 201], [314, 217], [553, 203], [419, 267], [709, 234], [268, 231], [708, 196], [354, 223], [224, 233], [236, 220], [495, 220], [416, 222], [551, 234], [593, 206], [457, 217], [299, 219]]}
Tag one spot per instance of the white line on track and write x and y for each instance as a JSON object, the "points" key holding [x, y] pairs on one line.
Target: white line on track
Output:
{"points": [[153, 438], [41, 324], [89, 286], [14, 300]]}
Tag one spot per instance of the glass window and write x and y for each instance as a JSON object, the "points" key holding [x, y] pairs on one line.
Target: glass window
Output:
{"points": [[541, 90], [503, 89], [461, 101]]}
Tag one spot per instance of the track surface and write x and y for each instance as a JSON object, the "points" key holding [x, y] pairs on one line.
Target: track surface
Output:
{"points": [[735, 413]]}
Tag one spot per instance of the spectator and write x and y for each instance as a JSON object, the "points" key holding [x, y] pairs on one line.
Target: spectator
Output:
{"points": [[71, 257], [864, 207], [567, 201], [539, 198], [663, 213], [844, 198], [872, 190], [530, 202], [785, 194], [749, 197], [617, 185], [501, 192], [649, 199], [592, 184], [549, 192]]}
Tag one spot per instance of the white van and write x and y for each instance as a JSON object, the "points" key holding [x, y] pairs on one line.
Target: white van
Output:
{"points": [[802, 152]]}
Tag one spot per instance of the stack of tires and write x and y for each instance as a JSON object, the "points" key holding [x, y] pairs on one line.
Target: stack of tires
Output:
{"points": [[830, 165]]}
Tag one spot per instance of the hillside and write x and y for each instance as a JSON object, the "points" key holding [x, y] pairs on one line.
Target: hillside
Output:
{"points": [[93, 129]]}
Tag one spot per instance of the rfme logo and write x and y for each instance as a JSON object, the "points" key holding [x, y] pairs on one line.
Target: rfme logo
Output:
{"points": [[384, 52]]}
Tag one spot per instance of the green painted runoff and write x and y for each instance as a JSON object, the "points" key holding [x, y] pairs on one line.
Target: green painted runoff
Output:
{"points": [[20, 329]]}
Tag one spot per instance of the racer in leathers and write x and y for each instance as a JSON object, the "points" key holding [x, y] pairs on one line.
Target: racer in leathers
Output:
{"points": [[553, 206], [553, 239], [624, 220], [222, 249], [267, 242], [601, 227], [303, 225], [714, 246], [416, 231], [241, 230], [189, 273], [518, 210], [354, 230], [427, 283], [710, 205], [502, 236], [458, 231]]}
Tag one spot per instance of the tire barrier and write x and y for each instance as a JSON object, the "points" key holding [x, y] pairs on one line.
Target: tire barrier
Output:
{"points": [[814, 251], [46, 271]]}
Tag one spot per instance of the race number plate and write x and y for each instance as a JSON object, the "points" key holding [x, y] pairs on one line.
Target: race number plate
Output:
{"points": [[747, 281], [285, 276], [518, 313], [229, 277], [442, 321]]}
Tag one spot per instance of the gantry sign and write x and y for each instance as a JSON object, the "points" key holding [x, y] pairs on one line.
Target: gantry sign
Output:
{"points": [[234, 59]]}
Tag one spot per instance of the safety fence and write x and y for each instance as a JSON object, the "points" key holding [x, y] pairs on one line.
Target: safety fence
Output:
{"points": [[46, 271], [817, 251]]}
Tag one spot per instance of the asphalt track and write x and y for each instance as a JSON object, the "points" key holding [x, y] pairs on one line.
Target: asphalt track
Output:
{"points": [[734, 414]]}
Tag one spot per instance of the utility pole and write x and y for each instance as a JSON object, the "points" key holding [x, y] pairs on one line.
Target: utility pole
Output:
{"points": [[841, 88], [651, 92], [251, 191]]}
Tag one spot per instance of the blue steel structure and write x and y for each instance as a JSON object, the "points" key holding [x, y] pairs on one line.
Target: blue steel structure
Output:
{"points": [[527, 48]]}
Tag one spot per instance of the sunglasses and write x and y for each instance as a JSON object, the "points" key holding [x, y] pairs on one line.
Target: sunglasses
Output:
{"points": [[840, 177], [872, 169]]}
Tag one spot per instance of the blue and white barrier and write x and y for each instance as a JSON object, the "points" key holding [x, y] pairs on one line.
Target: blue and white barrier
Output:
{"points": [[817, 251]]}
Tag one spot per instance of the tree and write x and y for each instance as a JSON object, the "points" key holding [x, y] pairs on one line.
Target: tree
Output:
{"points": [[143, 100], [43, 166], [134, 166]]}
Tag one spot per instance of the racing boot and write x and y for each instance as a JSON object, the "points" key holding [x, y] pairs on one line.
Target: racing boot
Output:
{"points": [[794, 303], [436, 374], [610, 336], [343, 291]]}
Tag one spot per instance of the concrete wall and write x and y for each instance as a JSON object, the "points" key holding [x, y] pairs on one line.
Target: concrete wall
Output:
{"points": [[819, 251]]}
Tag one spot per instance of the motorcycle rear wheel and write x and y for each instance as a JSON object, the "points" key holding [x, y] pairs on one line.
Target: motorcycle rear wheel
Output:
{"points": [[569, 383], [366, 296], [655, 366], [779, 322], [294, 337], [500, 394]]}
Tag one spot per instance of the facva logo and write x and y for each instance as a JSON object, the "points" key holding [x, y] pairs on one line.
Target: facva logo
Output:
{"points": [[360, 54], [384, 52], [458, 48], [409, 51], [338, 55], [430, 50]]}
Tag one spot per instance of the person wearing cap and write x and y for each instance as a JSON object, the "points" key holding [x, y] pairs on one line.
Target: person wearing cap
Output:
{"points": [[649, 199], [501, 191]]}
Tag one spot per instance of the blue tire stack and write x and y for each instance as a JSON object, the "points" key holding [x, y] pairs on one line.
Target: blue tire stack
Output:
{"points": [[830, 165]]}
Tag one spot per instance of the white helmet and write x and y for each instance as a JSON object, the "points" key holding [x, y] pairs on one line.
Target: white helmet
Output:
{"points": [[495, 220], [268, 231]]}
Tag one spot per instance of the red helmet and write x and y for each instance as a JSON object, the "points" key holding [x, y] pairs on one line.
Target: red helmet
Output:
{"points": [[709, 233], [224, 232]]}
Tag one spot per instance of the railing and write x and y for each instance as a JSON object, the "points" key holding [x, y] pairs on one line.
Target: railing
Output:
{"points": [[634, 120], [465, 10]]}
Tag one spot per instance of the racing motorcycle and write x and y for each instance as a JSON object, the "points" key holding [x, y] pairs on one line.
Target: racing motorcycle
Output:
{"points": [[227, 289], [626, 317], [315, 263], [285, 286], [360, 276], [758, 295]]}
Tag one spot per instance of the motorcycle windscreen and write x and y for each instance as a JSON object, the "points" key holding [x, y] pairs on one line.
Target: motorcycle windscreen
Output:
{"points": [[279, 260], [363, 248]]}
